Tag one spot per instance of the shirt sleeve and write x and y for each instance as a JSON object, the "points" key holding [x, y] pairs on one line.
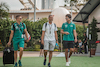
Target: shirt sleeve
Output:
{"points": [[12, 28], [62, 26], [43, 28], [24, 26], [56, 28], [74, 27]]}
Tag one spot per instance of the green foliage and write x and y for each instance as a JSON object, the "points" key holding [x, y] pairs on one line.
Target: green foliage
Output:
{"points": [[94, 29], [34, 28], [5, 27], [4, 8], [80, 31]]}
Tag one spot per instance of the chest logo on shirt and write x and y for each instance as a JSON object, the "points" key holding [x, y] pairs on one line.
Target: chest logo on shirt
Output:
{"points": [[65, 25], [71, 25], [16, 27]]}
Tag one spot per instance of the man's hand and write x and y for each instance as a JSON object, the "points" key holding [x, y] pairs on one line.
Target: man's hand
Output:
{"points": [[9, 43], [66, 33], [27, 40], [75, 40]]}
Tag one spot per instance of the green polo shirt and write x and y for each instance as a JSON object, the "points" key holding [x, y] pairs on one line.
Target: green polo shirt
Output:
{"points": [[68, 28], [18, 33]]}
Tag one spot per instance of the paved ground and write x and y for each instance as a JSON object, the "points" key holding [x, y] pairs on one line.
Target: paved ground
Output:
{"points": [[36, 54]]}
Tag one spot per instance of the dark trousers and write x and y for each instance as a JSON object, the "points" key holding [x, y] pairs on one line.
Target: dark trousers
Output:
{"points": [[80, 50], [85, 48]]}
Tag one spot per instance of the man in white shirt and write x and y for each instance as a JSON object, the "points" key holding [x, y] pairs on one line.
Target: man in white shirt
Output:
{"points": [[49, 38]]}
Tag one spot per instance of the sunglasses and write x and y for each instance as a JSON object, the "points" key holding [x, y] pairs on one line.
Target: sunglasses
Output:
{"points": [[66, 18]]}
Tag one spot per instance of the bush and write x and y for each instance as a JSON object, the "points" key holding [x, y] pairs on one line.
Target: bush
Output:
{"points": [[34, 28]]}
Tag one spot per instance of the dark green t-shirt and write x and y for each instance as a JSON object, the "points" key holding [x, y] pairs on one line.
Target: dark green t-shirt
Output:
{"points": [[68, 28], [18, 33]]}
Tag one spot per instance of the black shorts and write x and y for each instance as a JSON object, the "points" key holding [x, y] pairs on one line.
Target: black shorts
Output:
{"points": [[41, 46], [68, 44]]}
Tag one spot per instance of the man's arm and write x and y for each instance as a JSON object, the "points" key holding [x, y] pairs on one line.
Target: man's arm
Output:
{"points": [[64, 32], [56, 36], [75, 35], [42, 38], [10, 38], [25, 30]]}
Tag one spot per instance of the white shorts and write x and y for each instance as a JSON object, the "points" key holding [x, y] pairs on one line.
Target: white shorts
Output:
{"points": [[49, 45]]}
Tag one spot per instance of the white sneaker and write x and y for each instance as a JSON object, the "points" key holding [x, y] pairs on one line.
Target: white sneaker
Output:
{"points": [[67, 63]]}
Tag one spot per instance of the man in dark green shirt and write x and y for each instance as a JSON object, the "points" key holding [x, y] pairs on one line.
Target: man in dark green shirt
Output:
{"points": [[17, 38], [69, 31]]}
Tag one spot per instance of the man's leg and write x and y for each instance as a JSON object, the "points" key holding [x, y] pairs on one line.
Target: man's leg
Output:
{"points": [[71, 51], [15, 56], [50, 55], [45, 55], [46, 48], [51, 49], [21, 53], [74, 50], [15, 46], [40, 51], [66, 54], [77, 50], [21, 45]]}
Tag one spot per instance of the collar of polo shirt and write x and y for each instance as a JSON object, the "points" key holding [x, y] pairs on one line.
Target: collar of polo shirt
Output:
{"points": [[49, 23]]}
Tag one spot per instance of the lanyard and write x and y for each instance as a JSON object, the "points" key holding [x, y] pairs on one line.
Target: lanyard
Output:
{"points": [[50, 27]]}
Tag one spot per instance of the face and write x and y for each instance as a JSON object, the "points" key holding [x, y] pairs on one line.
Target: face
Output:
{"points": [[19, 19], [67, 19], [51, 18]]}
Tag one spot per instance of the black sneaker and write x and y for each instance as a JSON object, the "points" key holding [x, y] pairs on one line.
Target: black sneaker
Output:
{"points": [[44, 63], [49, 65]]}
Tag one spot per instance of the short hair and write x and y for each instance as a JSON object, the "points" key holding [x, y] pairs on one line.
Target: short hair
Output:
{"points": [[18, 16], [69, 16], [49, 16]]}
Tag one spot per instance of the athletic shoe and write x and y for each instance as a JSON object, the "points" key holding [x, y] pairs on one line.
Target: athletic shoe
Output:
{"points": [[69, 60], [67, 63], [19, 63], [15, 64], [44, 63], [49, 65]]}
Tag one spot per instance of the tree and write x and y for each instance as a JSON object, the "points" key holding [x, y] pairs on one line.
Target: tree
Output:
{"points": [[4, 8], [94, 29], [77, 3]]}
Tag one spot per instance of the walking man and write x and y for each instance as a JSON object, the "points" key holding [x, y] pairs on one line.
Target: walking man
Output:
{"points": [[17, 38], [49, 38], [69, 31]]}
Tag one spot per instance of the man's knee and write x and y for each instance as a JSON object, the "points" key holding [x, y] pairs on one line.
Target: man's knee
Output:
{"points": [[21, 49], [45, 50], [71, 49], [15, 52], [50, 52], [66, 50]]}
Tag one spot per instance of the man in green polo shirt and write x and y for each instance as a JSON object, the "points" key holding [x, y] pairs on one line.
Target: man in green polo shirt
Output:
{"points": [[69, 31], [17, 38]]}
